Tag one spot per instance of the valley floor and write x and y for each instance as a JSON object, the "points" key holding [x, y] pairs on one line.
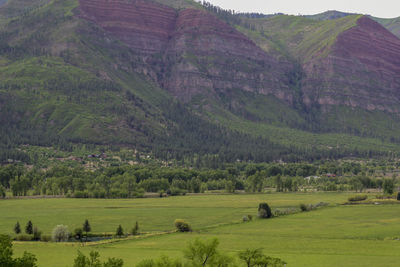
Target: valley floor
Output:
{"points": [[338, 235]]}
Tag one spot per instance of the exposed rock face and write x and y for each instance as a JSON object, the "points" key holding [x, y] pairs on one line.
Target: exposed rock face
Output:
{"points": [[362, 70], [143, 25], [190, 52]]}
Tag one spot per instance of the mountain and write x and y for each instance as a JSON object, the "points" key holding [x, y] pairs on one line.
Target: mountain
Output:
{"points": [[392, 25], [176, 78], [329, 15]]}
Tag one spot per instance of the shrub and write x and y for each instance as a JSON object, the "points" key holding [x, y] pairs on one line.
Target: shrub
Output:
{"points": [[264, 211], [164, 261], [60, 233], [182, 226], [398, 196], [303, 207], [78, 233], [282, 212], [24, 238], [357, 198], [36, 234], [81, 194], [2, 192], [45, 238]]}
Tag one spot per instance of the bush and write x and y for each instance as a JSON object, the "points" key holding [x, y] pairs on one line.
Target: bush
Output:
{"points": [[282, 212], [45, 238], [2, 192], [24, 238], [81, 194], [182, 226], [357, 198], [60, 233], [398, 196], [36, 234], [303, 207], [264, 211], [78, 234]]}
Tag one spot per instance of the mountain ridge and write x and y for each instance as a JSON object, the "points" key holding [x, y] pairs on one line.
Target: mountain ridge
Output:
{"points": [[199, 82]]}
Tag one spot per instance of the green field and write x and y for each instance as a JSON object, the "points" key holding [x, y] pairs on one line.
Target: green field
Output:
{"points": [[332, 236]]}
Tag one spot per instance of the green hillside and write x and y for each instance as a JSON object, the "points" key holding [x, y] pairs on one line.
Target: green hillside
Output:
{"points": [[298, 37], [63, 79]]}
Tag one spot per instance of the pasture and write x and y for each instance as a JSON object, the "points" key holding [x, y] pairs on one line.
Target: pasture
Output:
{"points": [[332, 236]]}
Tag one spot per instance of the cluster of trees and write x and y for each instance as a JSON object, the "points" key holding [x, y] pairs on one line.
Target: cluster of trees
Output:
{"points": [[133, 181], [198, 253], [206, 253], [33, 232], [61, 232], [6, 255]]}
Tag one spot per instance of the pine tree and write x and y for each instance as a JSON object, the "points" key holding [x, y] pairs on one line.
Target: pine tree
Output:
{"points": [[29, 228], [135, 229], [120, 231], [86, 227], [17, 228]]}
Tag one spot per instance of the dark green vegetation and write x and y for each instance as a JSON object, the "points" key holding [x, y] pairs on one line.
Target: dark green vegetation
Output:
{"points": [[6, 255], [128, 181], [65, 82]]}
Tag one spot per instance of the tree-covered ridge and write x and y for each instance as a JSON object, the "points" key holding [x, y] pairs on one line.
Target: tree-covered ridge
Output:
{"points": [[65, 81]]}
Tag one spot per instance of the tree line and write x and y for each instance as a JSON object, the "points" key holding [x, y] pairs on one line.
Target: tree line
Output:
{"points": [[134, 181]]}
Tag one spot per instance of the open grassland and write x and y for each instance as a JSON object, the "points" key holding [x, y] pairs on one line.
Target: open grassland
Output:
{"points": [[360, 235], [154, 215]]}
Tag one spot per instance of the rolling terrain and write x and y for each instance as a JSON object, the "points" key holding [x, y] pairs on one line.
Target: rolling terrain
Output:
{"points": [[176, 78]]}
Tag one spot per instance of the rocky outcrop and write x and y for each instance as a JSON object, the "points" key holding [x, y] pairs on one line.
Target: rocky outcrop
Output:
{"points": [[361, 70], [143, 25], [190, 52]]}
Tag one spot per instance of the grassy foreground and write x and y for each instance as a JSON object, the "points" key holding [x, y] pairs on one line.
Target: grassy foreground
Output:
{"points": [[333, 236]]}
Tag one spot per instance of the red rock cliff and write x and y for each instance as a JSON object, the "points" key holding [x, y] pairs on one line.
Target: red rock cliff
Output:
{"points": [[193, 51], [362, 70]]}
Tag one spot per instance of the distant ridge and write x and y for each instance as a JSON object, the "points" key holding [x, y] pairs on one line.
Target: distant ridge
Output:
{"points": [[329, 15]]}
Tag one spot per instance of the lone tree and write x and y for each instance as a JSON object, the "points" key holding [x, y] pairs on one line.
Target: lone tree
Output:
{"points": [[29, 228], [264, 211], [60, 233], [120, 231], [135, 230], [17, 228], [86, 228]]}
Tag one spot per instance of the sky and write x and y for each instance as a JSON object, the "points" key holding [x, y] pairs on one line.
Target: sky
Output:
{"points": [[377, 8]]}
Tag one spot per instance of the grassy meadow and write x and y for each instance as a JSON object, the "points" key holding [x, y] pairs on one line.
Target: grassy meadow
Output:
{"points": [[338, 235]]}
